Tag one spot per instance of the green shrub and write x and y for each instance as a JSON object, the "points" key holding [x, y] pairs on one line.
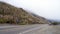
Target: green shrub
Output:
{"points": [[55, 23], [2, 20]]}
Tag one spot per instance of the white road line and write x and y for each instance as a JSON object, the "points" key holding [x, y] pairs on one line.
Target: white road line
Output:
{"points": [[6, 26], [32, 29]]}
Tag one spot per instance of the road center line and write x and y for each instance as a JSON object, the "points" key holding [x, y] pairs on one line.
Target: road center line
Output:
{"points": [[33, 29]]}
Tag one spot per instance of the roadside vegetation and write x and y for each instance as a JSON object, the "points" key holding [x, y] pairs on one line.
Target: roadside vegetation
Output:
{"points": [[55, 23]]}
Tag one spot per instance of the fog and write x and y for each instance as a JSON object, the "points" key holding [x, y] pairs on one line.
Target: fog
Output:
{"points": [[49, 9]]}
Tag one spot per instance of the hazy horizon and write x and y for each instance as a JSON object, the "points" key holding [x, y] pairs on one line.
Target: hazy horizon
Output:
{"points": [[49, 9]]}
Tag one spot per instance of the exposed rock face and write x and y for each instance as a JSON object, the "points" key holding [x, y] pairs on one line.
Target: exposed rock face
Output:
{"points": [[14, 15]]}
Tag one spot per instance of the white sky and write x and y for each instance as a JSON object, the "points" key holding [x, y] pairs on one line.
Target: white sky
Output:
{"points": [[47, 8]]}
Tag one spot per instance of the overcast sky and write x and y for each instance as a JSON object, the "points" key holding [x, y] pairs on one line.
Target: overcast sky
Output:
{"points": [[47, 8]]}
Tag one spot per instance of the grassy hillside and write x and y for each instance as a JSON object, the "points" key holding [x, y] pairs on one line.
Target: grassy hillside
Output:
{"points": [[13, 15]]}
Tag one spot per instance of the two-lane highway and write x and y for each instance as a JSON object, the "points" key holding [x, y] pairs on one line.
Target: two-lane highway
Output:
{"points": [[19, 29], [30, 29]]}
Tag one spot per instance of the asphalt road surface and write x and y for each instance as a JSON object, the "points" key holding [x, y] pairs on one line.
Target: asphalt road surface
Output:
{"points": [[30, 29]]}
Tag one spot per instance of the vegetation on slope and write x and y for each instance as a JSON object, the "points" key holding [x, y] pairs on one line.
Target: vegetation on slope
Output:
{"points": [[12, 15]]}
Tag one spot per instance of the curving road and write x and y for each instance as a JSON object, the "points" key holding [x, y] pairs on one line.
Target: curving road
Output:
{"points": [[30, 29]]}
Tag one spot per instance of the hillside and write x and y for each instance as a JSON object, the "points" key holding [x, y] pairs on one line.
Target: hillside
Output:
{"points": [[13, 15]]}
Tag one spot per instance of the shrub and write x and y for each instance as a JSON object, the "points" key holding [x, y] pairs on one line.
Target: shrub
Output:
{"points": [[55, 23]]}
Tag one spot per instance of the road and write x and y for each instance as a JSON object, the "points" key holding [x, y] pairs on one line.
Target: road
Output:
{"points": [[30, 29]]}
